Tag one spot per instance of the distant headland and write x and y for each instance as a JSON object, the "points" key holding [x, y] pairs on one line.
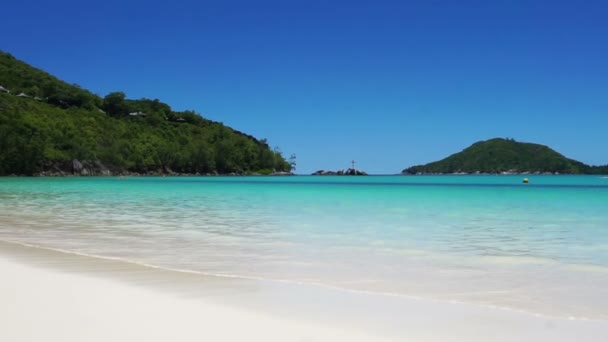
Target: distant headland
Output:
{"points": [[506, 156]]}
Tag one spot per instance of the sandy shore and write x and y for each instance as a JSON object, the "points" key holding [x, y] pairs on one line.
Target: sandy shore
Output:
{"points": [[51, 296], [42, 305]]}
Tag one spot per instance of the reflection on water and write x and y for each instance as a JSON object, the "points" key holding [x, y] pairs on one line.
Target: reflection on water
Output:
{"points": [[487, 240]]}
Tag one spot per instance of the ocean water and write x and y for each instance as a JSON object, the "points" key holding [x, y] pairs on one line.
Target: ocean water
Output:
{"points": [[486, 240]]}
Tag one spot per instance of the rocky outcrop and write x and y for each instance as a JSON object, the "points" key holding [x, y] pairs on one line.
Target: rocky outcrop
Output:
{"points": [[324, 173], [96, 168], [54, 171], [76, 168], [89, 168], [349, 172], [282, 173], [353, 172]]}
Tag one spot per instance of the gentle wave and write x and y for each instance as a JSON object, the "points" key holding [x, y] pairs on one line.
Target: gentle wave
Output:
{"points": [[304, 283], [254, 181], [496, 242]]}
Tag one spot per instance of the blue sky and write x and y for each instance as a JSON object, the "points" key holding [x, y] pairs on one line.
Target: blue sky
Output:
{"points": [[389, 84]]}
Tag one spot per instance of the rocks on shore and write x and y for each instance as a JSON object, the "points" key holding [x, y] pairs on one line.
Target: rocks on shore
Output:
{"points": [[89, 168], [282, 173], [76, 168], [348, 172], [96, 168]]}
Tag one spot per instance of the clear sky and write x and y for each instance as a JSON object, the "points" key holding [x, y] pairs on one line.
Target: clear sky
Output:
{"points": [[389, 84]]}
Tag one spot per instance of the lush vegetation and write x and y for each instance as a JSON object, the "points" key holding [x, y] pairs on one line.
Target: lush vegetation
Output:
{"points": [[506, 155], [55, 123]]}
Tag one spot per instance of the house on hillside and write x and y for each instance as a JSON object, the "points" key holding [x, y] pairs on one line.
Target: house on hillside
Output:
{"points": [[23, 95], [4, 90], [137, 114]]}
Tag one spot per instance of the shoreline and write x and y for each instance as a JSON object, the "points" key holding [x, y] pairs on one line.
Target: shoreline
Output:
{"points": [[141, 267], [254, 175], [322, 313], [64, 299]]}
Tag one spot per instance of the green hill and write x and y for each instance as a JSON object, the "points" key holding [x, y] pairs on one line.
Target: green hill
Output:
{"points": [[48, 126], [506, 155]]}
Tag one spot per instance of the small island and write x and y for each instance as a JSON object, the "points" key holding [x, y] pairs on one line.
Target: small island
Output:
{"points": [[506, 156], [348, 172]]}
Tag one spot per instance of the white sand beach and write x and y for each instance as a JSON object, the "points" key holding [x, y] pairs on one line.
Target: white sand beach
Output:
{"points": [[52, 296], [42, 305]]}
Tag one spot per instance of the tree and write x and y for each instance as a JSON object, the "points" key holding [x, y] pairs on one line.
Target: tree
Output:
{"points": [[114, 104], [292, 162]]}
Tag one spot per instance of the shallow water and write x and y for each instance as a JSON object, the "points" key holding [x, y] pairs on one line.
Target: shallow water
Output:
{"points": [[489, 240]]}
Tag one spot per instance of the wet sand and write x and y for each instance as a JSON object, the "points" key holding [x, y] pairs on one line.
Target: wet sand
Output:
{"points": [[52, 296]]}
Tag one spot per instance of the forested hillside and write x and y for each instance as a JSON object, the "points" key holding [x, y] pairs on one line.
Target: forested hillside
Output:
{"points": [[48, 126], [506, 155]]}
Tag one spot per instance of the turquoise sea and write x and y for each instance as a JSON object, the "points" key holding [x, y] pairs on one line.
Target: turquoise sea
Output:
{"points": [[488, 240]]}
